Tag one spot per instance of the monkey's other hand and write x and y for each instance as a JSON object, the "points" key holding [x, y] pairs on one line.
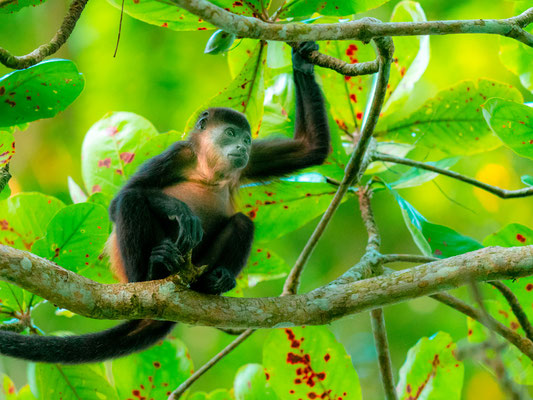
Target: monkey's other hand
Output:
{"points": [[298, 62], [190, 231], [166, 255], [216, 281]]}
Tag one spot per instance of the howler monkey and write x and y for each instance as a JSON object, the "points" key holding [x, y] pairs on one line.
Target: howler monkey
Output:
{"points": [[182, 200]]}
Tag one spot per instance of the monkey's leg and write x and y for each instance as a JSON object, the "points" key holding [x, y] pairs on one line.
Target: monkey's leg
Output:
{"points": [[226, 255]]}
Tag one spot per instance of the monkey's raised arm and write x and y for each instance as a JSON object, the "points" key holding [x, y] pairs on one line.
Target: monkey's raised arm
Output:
{"points": [[271, 158]]}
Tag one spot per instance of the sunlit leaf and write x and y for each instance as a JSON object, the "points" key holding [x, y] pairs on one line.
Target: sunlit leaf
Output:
{"points": [[282, 207], [451, 122], [308, 362], [109, 146], [245, 93], [513, 123], [154, 373], [339, 8], [432, 239], [265, 265], [251, 384], [75, 239], [25, 394], [40, 91], [71, 382], [431, 370]]}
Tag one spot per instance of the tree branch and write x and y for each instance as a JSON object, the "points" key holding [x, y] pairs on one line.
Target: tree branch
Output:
{"points": [[43, 51], [356, 165], [364, 29], [503, 193], [411, 258]]}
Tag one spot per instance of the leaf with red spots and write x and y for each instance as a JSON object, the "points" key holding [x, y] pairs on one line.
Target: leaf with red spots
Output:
{"points": [[7, 146], [516, 56], [432, 239], [308, 363], [452, 122], [154, 373], [71, 382], [510, 236], [40, 91], [8, 388], [265, 265], [245, 93], [112, 144], [431, 370], [165, 15], [9, 7], [249, 8], [328, 7], [512, 123], [282, 207], [75, 239], [251, 383]]}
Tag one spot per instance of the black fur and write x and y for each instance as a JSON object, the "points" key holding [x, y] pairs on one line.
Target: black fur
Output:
{"points": [[155, 231]]}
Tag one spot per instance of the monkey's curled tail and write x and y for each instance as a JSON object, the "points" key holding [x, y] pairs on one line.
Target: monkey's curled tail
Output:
{"points": [[118, 341]]}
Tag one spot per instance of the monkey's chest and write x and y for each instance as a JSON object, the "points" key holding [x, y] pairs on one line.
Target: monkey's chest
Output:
{"points": [[211, 204]]}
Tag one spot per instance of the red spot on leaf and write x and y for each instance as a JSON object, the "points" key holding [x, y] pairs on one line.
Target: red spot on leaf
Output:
{"points": [[96, 188], [106, 162], [112, 130], [520, 238], [157, 364], [327, 357], [127, 157], [359, 116], [529, 286], [202, 29], [353, 98], [165, 25]]}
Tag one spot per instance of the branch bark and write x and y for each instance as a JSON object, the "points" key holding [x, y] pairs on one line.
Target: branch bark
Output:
{"points": [[168, 300]]}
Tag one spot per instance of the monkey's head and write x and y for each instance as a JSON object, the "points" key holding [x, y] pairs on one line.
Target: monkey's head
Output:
{"points": [[224, 134]]}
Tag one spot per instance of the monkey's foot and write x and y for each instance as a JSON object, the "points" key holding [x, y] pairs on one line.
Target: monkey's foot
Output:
{"points": [[167, 255], [216, 281]]}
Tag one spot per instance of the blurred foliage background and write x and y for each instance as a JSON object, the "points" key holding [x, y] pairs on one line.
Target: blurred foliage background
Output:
{"points": [[164, 76]]}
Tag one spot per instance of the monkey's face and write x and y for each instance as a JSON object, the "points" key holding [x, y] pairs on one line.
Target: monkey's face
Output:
{"points": [[233, 144]]}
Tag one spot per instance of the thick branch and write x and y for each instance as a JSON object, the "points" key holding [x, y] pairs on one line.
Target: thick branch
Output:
{"points": [[503, 193], [167, 300], [43, 51], [363, 29], [356, 165]]}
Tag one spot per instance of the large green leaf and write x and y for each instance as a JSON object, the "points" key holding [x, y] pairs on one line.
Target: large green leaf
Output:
{"points": [[513, 123], [71, 382], [307, 363], [431, 370], [154, 373], [40, 91], [9, 7], [7, 146], [265, 265], [282, 207], [109, 146], [245, 93], [251, 384], [432, 239], [306, 8], [75, 239], [451, 122]]}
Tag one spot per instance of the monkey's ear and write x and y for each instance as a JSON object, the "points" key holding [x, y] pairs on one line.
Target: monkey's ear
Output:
{"points": [[202, 120]]}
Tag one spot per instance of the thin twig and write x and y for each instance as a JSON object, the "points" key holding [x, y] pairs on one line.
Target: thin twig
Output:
{"points": [[176, 394], [521, 343], [503, 193], [374, 240], [411, 258], [43, 51], [517, 309], [119, 29], [356, 165]]}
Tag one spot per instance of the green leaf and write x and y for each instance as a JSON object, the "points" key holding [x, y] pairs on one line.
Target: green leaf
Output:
{"points": [[24, 218], [76, 192], [451, 122], [219, 42], [431, 370], [9, 391], [72, 382], [432, 239], [304, 362], [25, 394], [513, 123], [109, 146], [162, 14], [265, 265], [411, 57], [339, 8], [5, 192], [251, 384], [417, 176], [38, 92], [10, 7], [219, 394], [245, 93], [75, 239], [510, 236], [516, 56], [7, 146], [527, 179], [282, 207], [154, 373]]}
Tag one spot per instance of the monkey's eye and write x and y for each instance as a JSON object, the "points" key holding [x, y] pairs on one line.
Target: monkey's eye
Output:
{"points": [[230, 132], [247, 140]]}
